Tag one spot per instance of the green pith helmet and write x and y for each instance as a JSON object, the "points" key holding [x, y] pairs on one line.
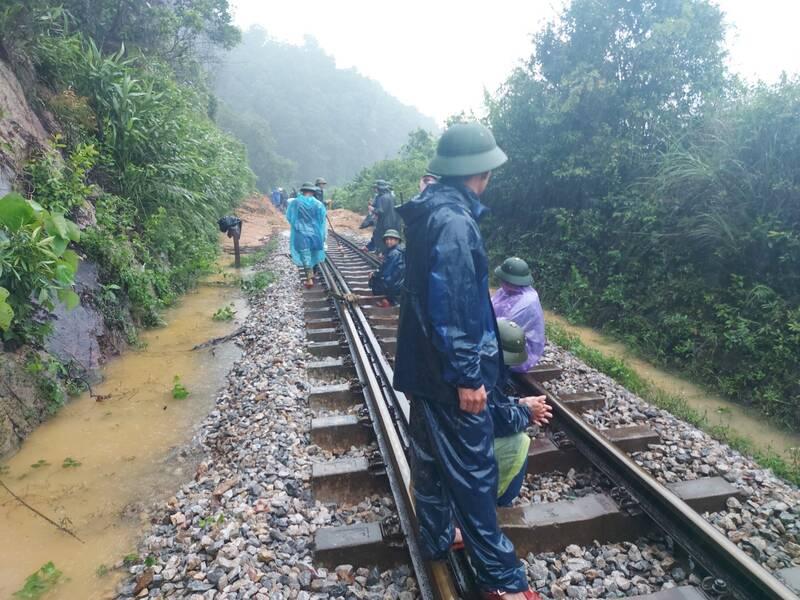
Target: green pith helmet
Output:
{"points": [[392, 233], [466, 149], [514, 271], [320, 181], [382, 184], [512, 341], [308, 187]]}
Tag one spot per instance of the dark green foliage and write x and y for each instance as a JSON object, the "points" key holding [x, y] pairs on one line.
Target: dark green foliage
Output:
{"points": [[329, 122], [181, 33], [404, 173], [656, 199]]}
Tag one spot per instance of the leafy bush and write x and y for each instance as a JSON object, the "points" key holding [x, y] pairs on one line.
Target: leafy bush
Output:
{"points": [[656, 198], [36, 269]]}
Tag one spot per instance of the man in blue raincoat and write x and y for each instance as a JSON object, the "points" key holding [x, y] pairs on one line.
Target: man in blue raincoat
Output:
{"points": [[388, 279], [307, 217], [448, 357]]}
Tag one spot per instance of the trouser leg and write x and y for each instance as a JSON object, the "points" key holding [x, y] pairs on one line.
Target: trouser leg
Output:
{"points": [[434, 514], [512, 491], [460, 446]]}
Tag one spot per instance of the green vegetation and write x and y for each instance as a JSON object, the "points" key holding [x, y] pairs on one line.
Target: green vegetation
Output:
{"points": [[655, 195], [40, 463], [179, 391], [251, 260], [283, 101], [140, 162], [226, 313], [404, 172], [34, 263], [70, 463], [40, 583], [258, 282], [622, 373]]}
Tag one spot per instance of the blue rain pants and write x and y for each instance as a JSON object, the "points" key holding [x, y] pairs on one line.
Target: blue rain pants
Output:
{"points": [[455, 481]]}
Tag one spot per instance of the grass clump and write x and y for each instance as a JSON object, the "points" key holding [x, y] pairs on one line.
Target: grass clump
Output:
{"points": [[41, 582], [258, 282], [226, 313], [179, 391], [622, 373]]}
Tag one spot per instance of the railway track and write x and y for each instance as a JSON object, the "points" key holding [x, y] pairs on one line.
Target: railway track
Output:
{"points": [[354, 343]]}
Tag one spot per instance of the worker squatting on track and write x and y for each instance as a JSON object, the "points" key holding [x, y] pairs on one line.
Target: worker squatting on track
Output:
{"points": [[517, 301], [308, 219], [511, 417], [389, 278], [447, 358]]}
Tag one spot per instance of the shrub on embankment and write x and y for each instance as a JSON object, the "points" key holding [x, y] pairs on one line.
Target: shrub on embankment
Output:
{"points": [[656, 197], [141, 156]]}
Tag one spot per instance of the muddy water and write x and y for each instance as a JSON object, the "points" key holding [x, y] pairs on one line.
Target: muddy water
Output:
{"points": [[719, 411], [126, 447]]}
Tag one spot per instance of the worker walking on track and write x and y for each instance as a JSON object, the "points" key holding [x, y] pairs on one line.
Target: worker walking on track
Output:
{"points": [[308, 219], [447, 358]]}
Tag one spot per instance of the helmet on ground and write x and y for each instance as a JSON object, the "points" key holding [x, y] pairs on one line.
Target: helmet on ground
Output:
{"points": [[308, 187], [466, 149], [320, 181], [393, 233], [515, 271], [512, 342]]}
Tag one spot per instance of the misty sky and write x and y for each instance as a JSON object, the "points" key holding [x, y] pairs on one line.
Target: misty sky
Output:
{"points": [[439, 55]]}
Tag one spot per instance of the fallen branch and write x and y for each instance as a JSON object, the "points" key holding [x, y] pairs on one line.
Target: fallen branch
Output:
{"points": [[220, 340], [58, 526]]}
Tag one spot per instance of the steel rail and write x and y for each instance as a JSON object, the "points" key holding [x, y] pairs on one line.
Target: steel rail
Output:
{"points": [[744, 577], [461, 576], [433, 580]]}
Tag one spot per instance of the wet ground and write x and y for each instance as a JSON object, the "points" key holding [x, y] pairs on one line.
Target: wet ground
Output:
{"points": [[719, 411], [98, 463]]}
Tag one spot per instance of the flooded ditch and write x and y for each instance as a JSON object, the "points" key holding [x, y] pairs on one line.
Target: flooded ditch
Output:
{"points": [[97, 464], [719, 411]]}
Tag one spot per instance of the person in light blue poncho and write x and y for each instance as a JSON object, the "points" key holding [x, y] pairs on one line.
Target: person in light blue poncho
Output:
{"points": [[307, 216]]}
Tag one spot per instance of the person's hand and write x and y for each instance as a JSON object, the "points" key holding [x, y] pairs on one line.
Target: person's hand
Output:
{"points": [[472, 401], [541, 412]]}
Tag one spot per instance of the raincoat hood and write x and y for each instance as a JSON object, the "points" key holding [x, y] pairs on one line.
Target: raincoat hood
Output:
{"points": [[441, 194]]}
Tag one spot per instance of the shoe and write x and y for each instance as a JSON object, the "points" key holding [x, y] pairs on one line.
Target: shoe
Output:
{"points": [[529, 595]]}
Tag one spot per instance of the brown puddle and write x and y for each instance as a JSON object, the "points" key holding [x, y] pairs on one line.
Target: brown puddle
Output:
{"points": [[742, 420], [127, 449]]}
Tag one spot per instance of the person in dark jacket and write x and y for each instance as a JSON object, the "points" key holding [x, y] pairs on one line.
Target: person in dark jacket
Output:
{"points": [[388, 279], [385, 214], [448, 357]]}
